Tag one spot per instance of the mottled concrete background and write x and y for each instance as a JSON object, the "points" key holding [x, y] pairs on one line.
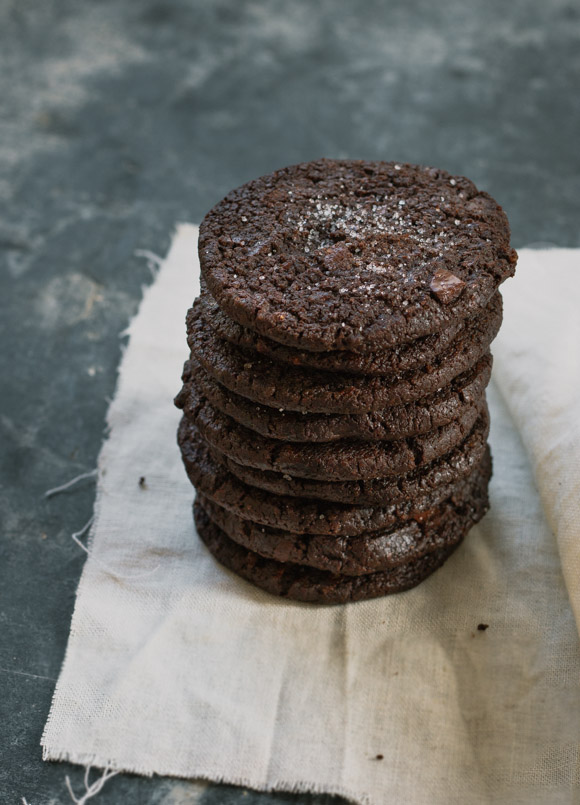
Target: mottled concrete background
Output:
{"points": [[120, 118]]}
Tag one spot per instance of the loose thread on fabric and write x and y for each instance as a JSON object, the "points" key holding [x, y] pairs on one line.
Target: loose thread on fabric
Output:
{"points": [[76, 535], [76, 538], [90, 790], [58, 489], [154, 261]]}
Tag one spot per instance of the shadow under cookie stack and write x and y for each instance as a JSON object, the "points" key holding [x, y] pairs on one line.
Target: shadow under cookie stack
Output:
{"points": [[334, 415]]}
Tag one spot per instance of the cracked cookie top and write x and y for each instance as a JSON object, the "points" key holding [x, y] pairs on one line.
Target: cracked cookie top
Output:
{"points": [[354, 255]]}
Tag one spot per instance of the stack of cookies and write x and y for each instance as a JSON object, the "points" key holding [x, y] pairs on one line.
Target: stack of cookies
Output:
{"points": [[334, 415]]}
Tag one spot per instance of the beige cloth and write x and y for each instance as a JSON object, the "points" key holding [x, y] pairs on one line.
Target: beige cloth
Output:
{"points": [[176, 667]]}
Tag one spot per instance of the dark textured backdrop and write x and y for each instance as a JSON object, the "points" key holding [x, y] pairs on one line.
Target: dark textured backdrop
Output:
{"points": [[120, 118]]}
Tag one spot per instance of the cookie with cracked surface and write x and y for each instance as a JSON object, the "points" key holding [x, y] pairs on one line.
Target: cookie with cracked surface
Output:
{"points": [[354, 255], [403, 358], [307, 584], [284, 387], [436, 481], [302, 515], [445, 525], [396, 422], [346, 460]]}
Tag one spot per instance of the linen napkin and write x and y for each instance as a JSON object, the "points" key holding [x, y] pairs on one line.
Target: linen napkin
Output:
{"points": [[175, 666]]}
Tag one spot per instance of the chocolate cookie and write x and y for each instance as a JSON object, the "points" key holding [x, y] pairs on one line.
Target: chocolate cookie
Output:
{"points": [[439, 478], [307, 584], [396, 422], [353, 255], [304, 516], [367, 553], [348, 460], [403, 358], [280, 386]]}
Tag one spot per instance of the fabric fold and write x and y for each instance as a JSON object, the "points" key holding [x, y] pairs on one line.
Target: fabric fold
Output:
{"points": [[537, 369]]}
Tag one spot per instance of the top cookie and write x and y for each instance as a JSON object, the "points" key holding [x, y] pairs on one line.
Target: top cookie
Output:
{"points": [[344, 254]]}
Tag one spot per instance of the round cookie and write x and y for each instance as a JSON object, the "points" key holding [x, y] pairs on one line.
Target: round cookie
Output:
{"points": [[367, 553], [442, 475], [353, 255], [307, 584], [403, 358], [280, 386], [303, 516], [347, 460], [390, 423]]}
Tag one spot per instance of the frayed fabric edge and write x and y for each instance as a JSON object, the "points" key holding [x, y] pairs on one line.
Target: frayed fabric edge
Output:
{"points": [[209, 776]]}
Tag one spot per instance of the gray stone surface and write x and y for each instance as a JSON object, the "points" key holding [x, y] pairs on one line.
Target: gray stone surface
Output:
{"points": [[118, 119]]}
